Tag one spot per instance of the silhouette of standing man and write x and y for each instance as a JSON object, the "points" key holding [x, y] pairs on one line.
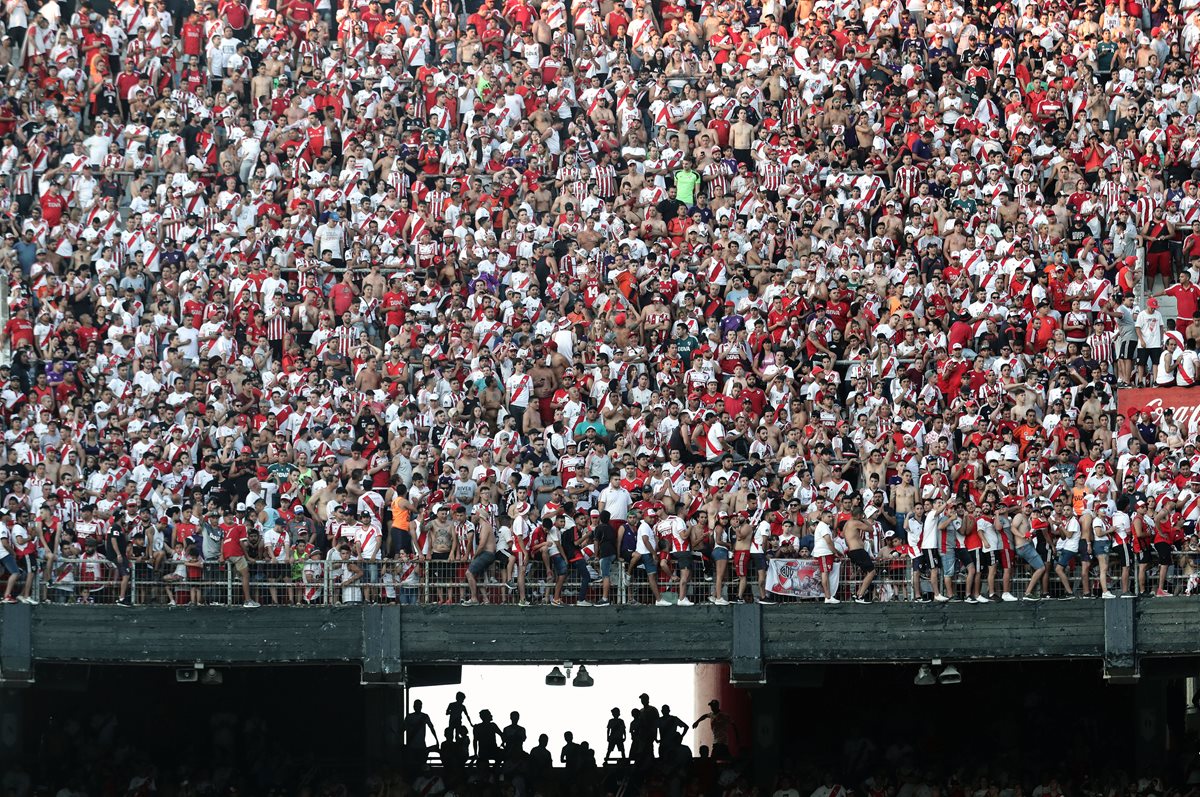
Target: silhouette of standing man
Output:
{"points": [[416, 745]]}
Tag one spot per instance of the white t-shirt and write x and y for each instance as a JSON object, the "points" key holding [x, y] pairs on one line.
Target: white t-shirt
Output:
{"points": [[822, 540], [646, 532], [1150, 322], [617, 501]]}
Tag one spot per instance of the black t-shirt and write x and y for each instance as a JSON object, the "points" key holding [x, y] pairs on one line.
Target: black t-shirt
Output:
{"points": [[606, 539], [15, 472], [115, 542]]}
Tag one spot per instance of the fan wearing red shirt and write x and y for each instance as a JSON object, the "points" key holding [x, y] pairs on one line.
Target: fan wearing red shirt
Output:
{"points": [[192, 33], [19, 330], [233, 551], [1186, 295], [53, 204]]}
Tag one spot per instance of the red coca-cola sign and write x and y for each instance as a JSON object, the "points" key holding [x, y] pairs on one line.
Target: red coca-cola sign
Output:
{"points": [[1185, 401]]}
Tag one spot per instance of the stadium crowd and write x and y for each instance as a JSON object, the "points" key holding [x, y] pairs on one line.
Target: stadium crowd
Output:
{"points": [[651, 288]]}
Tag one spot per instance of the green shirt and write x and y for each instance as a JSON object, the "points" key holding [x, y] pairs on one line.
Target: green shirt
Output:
{"points": [[685, 186]]}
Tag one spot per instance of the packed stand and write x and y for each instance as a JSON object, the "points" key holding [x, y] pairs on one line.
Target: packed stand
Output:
{"points": [[313, 304]]}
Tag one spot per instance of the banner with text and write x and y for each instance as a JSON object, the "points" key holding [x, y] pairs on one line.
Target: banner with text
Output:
{"points": [[1185, 401]]}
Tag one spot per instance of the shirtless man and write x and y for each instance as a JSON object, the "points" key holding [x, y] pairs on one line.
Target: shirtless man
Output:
{"points": [[545, 383], [744, 538], [442, 544], [854, 529], [1022, 533], [485, 556]]}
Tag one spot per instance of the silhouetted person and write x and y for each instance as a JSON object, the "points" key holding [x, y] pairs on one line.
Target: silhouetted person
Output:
{"points": [[455, 752], [487, 740], [541, 761], [670, 731], [650, 714], [616, 736], [721, 724], [514, 738], [416, 744], [641, 746], [457, 712], [569, 757], [587, 762]]}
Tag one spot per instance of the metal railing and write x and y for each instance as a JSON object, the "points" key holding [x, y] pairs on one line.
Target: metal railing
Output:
{"points": [[425, 581]]}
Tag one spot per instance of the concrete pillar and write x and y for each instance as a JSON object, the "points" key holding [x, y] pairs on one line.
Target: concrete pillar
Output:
{"points": [[12, 726], [766, 733], [383, 719], [1159, 712]]}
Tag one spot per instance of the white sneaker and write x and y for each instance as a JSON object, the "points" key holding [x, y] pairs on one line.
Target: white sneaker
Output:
{"points": [[968, 599], [683, 602], [662, 602], [832, 600], [941, 599], [1008, 597], [251, 604], [583, 603], [23, 599], [1107, 595], [721, 602]]}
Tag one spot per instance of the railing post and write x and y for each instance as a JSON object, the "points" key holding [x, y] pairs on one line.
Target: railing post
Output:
{"points": [[425, 583], [228, 584], [6, 351], [133, 584]]}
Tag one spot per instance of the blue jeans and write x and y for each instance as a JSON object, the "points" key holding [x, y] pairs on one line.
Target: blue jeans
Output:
{"points": [[585, 577]]}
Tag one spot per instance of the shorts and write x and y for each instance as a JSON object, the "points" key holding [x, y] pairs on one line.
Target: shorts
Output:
{"points": [[1101, 547], [824, 564], [10, 564], [649, 564], [1039, 545], [741, 563], [504, 557], [929, 561], [480, 564], [1149, 357], [606, 566], [1164, 552], [239, 563], [1124, 553], [949, 564], [440, 570], [1126, 349], [861, 560], [1004, 558], [966, 557], [682, 560], [759, 561], [1067, 558], [720, 554], [558, 565]]}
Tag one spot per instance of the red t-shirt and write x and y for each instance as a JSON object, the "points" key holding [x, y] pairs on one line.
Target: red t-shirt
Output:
{"points": [[19, 331], [1186, 299], [342, 297], [231, 543], [53, 206]]}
